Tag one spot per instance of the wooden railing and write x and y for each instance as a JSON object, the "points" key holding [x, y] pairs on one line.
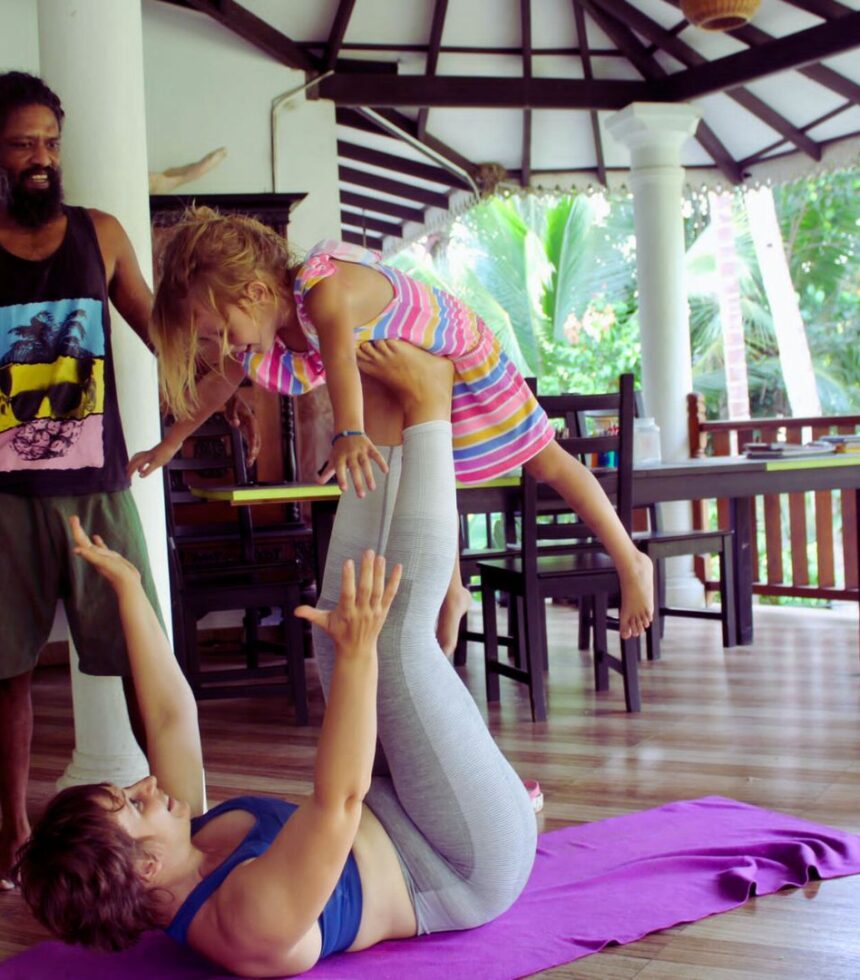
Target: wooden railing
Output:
{"points": [[808, 547]]}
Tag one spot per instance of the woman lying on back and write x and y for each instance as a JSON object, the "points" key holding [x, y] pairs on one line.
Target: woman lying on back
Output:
{"points": [[263, 887]]}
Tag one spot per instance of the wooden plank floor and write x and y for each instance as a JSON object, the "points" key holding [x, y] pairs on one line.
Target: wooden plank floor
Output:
{"points": [[776, 724]]}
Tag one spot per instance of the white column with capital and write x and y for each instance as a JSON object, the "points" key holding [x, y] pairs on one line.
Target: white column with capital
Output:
{"points": [[654, 133], [91, 54]]}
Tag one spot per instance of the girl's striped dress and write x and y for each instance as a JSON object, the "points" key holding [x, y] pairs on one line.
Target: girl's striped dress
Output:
{"points": [[497, 423]]}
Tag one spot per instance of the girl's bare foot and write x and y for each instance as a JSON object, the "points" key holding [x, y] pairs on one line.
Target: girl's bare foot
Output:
{"points": [[455, 605], [637, 596], [422, 382]]}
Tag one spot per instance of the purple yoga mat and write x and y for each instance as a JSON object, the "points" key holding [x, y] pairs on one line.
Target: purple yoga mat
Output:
{"points": [[611, 881]]}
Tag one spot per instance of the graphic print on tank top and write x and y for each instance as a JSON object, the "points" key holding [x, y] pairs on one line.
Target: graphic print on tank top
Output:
{"points": [[52, 391]]}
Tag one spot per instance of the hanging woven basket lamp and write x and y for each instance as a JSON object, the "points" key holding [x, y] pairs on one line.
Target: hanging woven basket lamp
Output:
{"points": [[719, 15]]}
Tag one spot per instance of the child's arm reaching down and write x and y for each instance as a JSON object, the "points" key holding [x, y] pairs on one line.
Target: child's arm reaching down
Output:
{"points": [[351, 450], [214, 389]]}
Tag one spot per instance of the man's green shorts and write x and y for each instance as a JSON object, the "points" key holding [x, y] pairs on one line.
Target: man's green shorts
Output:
{"points": [[38, 567]]}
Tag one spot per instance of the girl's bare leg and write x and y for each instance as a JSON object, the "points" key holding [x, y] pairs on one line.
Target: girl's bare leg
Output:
{"points": [[578, 486], [417, 381]]}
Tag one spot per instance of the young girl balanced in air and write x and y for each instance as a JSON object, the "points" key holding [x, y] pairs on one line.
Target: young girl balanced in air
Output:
{"points": [[231, 296]]}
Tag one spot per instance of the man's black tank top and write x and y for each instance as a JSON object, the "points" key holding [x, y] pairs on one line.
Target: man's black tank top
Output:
{"points": [[60, 429]]}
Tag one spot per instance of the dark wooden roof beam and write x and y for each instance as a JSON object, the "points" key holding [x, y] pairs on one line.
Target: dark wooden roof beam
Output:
{"points": [[256, 31], [457, 91], [395, 188], [336, 35], [687, 55], [437, 25], [755, 37], [526, 37], [582, 38], [358, 220], [825, 9], [794, 51], [366, 241], [381, 205], [389, 161], [648, 65]]}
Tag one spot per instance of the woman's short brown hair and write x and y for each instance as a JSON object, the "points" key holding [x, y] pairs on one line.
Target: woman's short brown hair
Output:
{"points": [[78, 872], [207, 258]]}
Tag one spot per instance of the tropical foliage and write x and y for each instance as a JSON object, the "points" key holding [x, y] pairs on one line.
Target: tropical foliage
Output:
{"points": [[555, 277]]}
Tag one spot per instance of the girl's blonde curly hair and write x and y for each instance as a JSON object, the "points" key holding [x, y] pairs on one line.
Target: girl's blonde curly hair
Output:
{"points": [[208, 259]]}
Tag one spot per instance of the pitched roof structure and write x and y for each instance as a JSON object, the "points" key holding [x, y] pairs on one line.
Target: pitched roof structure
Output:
{"points": [[440, 100]]}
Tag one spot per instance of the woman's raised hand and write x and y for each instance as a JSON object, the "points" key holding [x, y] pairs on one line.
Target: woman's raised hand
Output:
{"points": [[116, 569], [356, 620]]}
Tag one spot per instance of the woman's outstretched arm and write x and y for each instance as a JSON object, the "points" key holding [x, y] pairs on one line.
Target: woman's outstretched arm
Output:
{"points": [[167, 705], [269, 904]]}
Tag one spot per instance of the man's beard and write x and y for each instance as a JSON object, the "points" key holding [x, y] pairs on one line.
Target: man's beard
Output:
{"points": [[29, 207]]}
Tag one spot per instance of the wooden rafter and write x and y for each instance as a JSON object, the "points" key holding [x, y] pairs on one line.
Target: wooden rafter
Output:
{"points": [[582, 38], [381, 205], [526, 34], [357, 238], [825, 9], [256, 31], [459, 91], [396, 188], [794, 51], [755, 37], [648, 66], [337, 33], [355, 119], [767, 151], [362, 220], [389, 161], [689, 57], [436, 27]]}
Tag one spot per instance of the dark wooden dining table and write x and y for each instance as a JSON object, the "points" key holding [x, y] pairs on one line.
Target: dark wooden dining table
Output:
{"points": [[736, 478]]}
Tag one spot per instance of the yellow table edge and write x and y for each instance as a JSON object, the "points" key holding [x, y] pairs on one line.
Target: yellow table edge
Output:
{"points": [[297, 492], [815, 462]]}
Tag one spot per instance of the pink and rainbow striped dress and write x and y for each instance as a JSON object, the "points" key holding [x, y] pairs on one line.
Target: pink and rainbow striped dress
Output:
{"points": [[497, 423]]}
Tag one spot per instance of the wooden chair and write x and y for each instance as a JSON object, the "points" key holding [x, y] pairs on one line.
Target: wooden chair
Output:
{"points": [[501, 537], [228, 565], [579, 568], [660, 545]]}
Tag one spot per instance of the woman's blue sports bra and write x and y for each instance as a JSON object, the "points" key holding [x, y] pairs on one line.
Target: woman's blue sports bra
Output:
{"points": [[341, 916]]}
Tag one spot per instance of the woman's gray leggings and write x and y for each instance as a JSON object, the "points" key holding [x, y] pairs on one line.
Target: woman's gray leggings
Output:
{"points": [[456, 811]]}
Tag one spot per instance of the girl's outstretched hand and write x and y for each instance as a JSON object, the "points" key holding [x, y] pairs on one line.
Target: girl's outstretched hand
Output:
{"points": [[116, 569], [351, 457], [356, 620], [149, 460]]}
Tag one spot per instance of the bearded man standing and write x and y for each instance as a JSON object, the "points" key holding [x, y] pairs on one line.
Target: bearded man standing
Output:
{"points": [[62, 449]]}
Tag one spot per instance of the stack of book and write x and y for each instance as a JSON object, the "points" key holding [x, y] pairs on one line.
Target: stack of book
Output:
{"points": [[787, 450], [843, 443]]}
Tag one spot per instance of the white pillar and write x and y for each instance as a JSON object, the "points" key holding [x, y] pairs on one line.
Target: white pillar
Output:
{"points": [[91, 54], [105, 748], [654, 133]]}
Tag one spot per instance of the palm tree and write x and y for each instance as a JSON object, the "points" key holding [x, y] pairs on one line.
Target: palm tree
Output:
{"points": [[42, 340]]}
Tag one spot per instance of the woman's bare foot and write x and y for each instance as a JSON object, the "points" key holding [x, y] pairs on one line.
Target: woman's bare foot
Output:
{"points": [[422, 382], [637, 596]]}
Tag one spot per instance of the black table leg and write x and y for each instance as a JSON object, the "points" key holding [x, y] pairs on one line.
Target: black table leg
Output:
{"points": [[740, 511], [322, 521]]}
